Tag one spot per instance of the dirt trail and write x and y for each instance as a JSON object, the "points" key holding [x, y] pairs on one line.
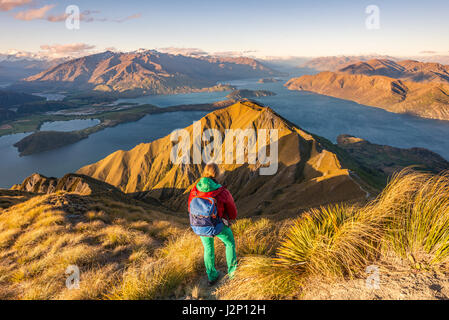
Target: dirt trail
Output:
{"points": [[397, 286], [202, 291]]}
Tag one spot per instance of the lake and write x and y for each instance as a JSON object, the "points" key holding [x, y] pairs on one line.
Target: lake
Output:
{"points": [[325, 116]]}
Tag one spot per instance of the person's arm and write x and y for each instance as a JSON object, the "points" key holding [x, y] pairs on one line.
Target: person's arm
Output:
{"points": [[230, 208]]}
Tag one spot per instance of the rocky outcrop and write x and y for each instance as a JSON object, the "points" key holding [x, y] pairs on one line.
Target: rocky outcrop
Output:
{"points": [[74, 183]]}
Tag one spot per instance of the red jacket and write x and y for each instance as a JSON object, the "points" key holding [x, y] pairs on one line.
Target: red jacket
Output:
{"points": [[225, 203]]}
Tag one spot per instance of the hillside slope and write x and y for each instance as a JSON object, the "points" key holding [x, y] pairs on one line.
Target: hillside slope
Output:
{"points": [[427, 100], [308, 174], [389, 160], [127, 249], [103, 235]]}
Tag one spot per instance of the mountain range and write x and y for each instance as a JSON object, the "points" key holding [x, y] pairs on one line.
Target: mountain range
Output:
{"points": [[410, 87], [14, 67], [143, 72], [334, 63], [409, 70]]}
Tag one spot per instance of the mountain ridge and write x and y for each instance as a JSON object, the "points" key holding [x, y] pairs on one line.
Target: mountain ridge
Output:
{"points": [[305, 166]]}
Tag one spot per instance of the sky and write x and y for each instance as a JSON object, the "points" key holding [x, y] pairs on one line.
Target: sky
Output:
{"points": [[248, 27]]}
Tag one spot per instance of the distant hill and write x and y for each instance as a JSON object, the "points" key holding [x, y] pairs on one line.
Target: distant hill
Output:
{"points": [[15, 67], [269, 80], [249, 94], [405, 70], [309, 173], [389, 160], [10, 98], [144, 72], [427, 100], [334, 63]]}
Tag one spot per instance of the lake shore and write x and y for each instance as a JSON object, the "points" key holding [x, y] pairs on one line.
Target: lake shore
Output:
{"points": [[42, 141]]}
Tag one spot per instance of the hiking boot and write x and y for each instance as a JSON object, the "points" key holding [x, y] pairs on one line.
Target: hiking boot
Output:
{"points": [[213, 282]]}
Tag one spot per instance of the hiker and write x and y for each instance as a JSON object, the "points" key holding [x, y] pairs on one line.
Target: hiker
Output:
{"points": [[212, 211]]}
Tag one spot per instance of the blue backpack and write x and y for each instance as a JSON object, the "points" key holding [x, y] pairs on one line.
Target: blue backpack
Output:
{"points": [[204, 218]]}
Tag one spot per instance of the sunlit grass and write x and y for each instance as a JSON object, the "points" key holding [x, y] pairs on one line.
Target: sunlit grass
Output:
{"points": [[124, 252], [259, 278], [419, 230]]}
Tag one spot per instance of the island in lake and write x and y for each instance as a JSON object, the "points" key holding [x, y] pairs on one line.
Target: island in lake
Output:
{"points": [[249, 94]]}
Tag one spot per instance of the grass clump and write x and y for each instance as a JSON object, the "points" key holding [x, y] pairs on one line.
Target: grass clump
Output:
{"points": [[408, 222], [172, 268], [256, 237], [332, 241], [130, 252], [419, 229], [260, 278], [41, 237]]}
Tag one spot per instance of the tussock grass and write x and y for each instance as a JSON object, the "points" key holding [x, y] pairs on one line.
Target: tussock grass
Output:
{"points": [[41, 237], [409, 221], [125, 251], [419, 229], [256, 237], [332, 241], [411, 217], [259, 278], [174, 265]]}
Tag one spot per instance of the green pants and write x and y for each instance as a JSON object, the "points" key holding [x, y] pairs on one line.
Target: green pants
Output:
{"points": [[209, 253]]}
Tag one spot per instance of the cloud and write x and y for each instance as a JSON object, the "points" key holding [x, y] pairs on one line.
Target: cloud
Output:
{"points": [[73, 49], [41, 13], [88, 16], [131, 17], [184, 51], [33, 14], [7, 5], [234, 53], [200, 52]]}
